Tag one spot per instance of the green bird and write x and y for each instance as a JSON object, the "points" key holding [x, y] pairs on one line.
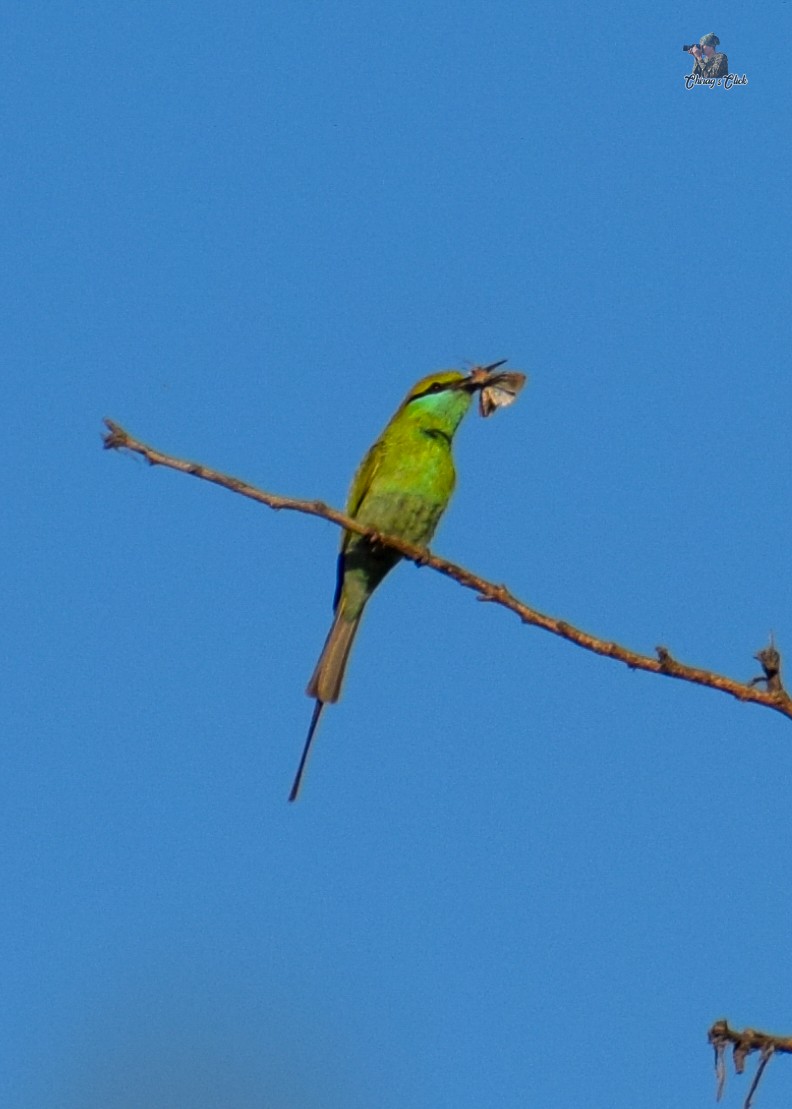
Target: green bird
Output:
{"points": [[401, 488]]}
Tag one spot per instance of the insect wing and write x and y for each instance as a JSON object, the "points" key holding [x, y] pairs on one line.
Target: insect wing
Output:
{"points": [[486, 405], [501, 390]]}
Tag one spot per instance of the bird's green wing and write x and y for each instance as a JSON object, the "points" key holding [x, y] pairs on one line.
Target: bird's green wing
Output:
{"points": [[362, 481]]}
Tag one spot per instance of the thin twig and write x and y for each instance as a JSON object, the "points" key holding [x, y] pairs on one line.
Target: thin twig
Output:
{"points": [[778, 699], [720, 1068], [767, 1055]]}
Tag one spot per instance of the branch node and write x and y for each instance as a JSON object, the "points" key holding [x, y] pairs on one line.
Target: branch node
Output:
{"points": [[668, 664], [770, 659]]}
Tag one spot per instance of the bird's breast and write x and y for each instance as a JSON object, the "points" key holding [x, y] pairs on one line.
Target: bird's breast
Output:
{"points": [[409, 515]]}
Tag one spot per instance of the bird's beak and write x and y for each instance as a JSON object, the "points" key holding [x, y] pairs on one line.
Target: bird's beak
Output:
{"points": [[477, 378]]}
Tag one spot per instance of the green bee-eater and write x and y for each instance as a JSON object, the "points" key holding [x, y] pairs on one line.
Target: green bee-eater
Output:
{"points": [[401, 488]]}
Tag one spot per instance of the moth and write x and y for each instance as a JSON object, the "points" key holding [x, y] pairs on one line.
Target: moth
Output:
{"points": [[497, 390]]}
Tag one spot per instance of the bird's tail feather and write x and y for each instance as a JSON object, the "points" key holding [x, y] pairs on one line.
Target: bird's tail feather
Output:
{"points": [[326, 680]]}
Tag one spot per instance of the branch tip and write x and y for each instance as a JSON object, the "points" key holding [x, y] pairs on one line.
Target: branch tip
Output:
{"points": [[115, 437]]}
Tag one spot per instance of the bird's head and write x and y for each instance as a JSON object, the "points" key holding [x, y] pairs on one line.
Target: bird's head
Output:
{"points": [[444, 397], [436, 403]]}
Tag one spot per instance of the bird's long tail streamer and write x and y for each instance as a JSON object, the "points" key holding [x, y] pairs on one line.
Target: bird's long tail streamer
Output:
{"points": [[326, 680], [295, 789]]}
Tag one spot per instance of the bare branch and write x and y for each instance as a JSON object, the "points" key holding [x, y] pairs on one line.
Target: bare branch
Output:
{"points": [[775, 698], [743, 1044]]}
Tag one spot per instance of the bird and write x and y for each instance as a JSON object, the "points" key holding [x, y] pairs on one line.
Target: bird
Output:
{"points": [[401, 488]]}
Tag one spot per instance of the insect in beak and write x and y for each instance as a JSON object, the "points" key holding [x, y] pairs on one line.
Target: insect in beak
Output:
{"points": [[495, 390], [478, 376], [500, 391]]}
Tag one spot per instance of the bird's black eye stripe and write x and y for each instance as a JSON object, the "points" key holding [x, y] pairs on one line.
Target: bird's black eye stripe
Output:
{"points": [[436, 387]]}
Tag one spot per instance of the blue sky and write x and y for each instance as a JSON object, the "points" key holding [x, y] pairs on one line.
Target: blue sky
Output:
{"points": [[519, 874]]}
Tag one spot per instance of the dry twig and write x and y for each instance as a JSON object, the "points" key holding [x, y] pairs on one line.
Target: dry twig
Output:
{"points": [[774, 697], [721, 1036]]}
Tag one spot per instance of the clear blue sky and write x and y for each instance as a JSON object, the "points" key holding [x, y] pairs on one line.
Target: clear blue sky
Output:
{"points": [[519, 875]]}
